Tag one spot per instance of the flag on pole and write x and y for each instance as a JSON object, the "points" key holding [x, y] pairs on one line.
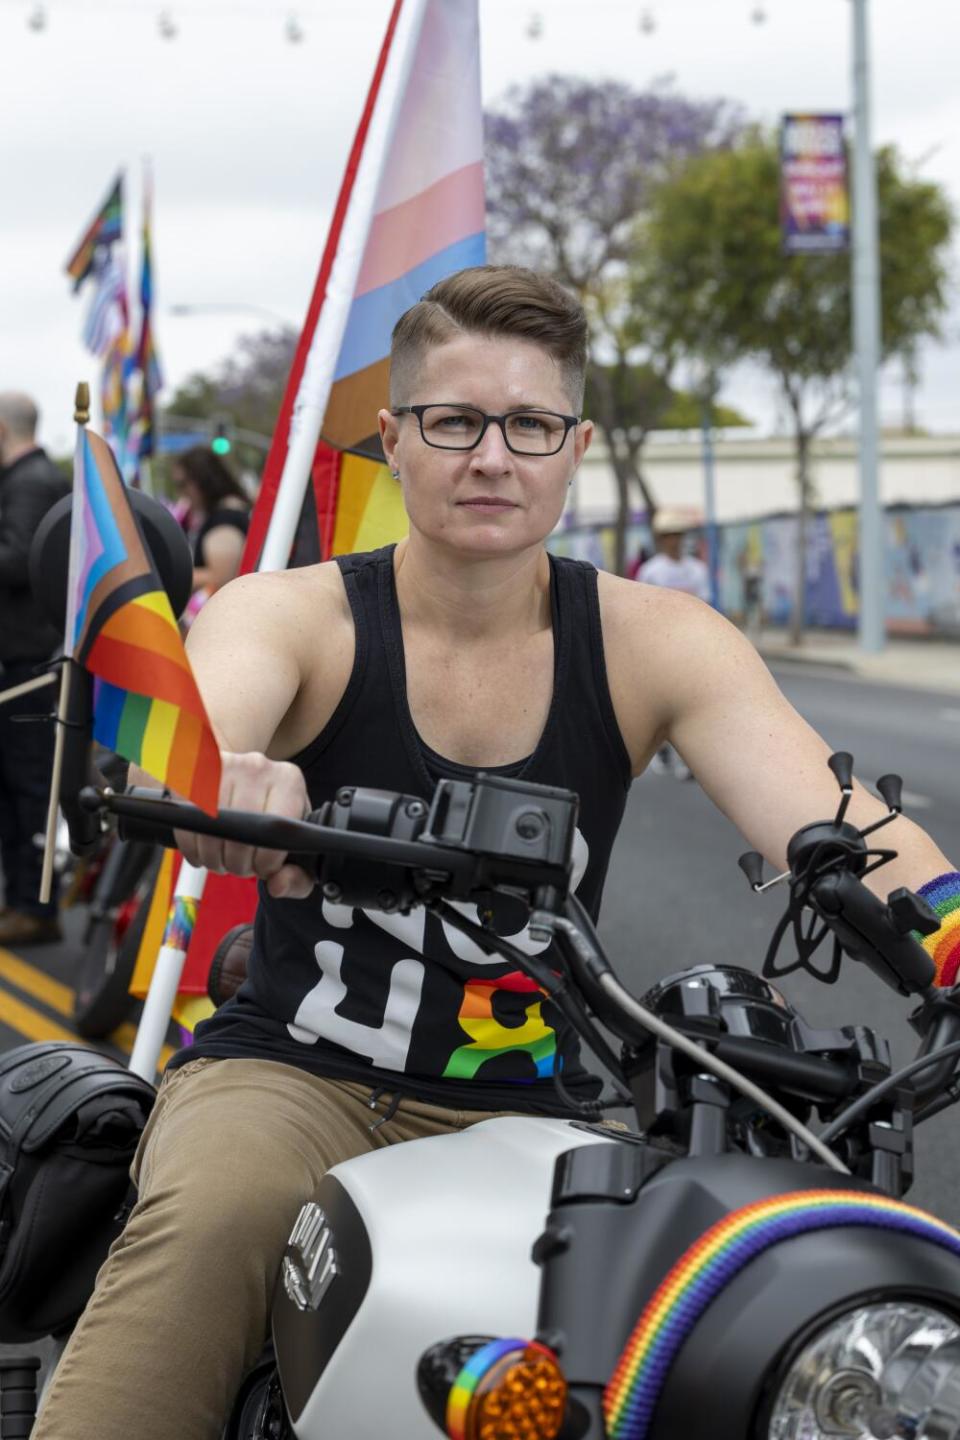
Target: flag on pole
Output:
{"points": [[146, 360], [423, 220], [120, 627], [105, 228], [428, 215], [108, 315]]}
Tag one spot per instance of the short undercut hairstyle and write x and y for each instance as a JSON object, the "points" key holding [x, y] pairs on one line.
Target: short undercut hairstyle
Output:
{"points": [[492, 300]]}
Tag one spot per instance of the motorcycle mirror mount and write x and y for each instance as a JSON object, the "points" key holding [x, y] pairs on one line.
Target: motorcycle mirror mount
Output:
{"points": [[751, 863]]}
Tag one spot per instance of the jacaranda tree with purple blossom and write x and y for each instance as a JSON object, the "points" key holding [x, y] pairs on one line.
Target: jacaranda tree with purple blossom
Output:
{"points": [[571, 166]]}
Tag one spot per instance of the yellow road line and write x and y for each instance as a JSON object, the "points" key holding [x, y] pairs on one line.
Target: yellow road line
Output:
{"points": [[59, 997], [27, 1021], [42, 987]]}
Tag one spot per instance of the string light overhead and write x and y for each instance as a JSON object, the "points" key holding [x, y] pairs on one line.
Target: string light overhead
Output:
{"points": [[294, 32]]}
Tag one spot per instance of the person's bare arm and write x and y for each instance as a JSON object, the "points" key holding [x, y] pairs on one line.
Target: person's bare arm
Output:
{"points": [[701, 685], [249, 653]]}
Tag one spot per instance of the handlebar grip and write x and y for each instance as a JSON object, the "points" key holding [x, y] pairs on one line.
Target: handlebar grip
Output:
{"points": [[864, 926], [151, 832], [130, 829]]}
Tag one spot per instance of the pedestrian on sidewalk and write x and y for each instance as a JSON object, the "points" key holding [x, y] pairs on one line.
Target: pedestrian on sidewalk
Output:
{"points": [[674, 568], [30, 484]]}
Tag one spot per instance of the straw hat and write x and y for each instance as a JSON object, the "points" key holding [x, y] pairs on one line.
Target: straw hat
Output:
{"points": [[674, 522]]}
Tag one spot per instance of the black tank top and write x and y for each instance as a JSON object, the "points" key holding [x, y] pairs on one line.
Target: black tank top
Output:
{"points": [[402, 1001]]}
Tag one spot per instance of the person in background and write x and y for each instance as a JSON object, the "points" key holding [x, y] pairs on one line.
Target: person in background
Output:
{"points": [[673, 570], [218, 520], [30, 484], [670, 567]]}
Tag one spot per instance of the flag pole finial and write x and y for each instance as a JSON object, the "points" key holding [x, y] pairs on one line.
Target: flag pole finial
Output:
{"points": [[81, 403]]}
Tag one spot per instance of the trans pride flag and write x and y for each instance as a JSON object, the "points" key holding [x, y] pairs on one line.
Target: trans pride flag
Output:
{"points": [[410, 211], [428, 214], [121, 628]]}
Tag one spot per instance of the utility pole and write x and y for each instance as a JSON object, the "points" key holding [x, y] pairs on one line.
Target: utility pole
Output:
{"points": [[866, 340]]}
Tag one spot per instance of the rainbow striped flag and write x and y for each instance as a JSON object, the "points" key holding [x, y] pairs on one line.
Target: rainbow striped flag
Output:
{"points": [[147, 360], [105, 228], [428, 214], [121, 628]]}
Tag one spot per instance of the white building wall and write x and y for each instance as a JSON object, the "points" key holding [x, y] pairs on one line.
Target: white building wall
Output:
{"points": [[755, 477]]}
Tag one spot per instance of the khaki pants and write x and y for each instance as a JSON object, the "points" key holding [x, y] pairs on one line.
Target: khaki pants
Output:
{"points": [[232, 1149]]}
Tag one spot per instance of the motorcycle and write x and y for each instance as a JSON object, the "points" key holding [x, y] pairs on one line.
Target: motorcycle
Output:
{"points": [[719, 1271]]}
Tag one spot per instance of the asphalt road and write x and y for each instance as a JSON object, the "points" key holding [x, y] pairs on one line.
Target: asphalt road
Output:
{"points": [[675, 896]]}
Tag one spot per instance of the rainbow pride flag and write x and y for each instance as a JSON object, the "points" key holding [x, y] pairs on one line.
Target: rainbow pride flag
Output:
{"points": [[105, 228], [121, 628], [147, 360], [428, 214]]}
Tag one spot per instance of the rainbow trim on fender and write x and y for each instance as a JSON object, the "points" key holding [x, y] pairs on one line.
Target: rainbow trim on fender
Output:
{"points": [[461, 1391], [943, 946], [713, 1261]]}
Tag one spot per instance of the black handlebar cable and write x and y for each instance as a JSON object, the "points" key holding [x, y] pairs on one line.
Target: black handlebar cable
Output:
{"points": [[608, 982], [555, 987], [853, 1112]]}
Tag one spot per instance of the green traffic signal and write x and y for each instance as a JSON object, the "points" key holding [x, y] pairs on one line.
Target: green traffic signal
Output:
{"points": [[221, 443]]}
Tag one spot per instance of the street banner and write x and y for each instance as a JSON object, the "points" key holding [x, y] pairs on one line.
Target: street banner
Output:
{"points": [[814, 196]]}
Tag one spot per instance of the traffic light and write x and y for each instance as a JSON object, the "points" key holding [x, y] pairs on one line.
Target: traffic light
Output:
{"points": [[221, 443]]}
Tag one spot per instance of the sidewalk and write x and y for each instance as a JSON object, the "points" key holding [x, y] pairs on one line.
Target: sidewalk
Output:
{"points": [[914, 664]]}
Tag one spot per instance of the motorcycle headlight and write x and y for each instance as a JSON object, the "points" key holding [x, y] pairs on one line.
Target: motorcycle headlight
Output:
{"points": [[881, 1372]]}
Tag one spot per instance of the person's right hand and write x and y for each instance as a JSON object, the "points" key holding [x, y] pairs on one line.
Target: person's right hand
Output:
{"points": [[252, 782]]}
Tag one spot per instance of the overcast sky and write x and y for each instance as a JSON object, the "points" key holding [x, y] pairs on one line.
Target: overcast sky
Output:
{"points": [[248, 135]]}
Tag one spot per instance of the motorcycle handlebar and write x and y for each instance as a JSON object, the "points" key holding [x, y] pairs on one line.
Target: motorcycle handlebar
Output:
{"points": [[392, 851]]}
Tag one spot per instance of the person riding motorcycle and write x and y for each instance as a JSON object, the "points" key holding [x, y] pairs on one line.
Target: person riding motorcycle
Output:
{"points": [[464, 647]]}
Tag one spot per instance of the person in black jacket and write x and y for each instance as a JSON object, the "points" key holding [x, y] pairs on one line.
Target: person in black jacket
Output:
{"points": [[29, 484]]}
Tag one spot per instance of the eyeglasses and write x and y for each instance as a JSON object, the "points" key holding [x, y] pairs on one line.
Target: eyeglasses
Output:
{"points": [[461, 427]]}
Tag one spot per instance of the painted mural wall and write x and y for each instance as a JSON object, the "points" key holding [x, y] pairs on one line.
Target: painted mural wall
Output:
{"points": [[922, 565]]}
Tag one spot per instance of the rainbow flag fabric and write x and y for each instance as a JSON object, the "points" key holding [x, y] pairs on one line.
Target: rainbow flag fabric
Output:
{"points": [[121, 628], [104, 229], [147, 361], [428, 215]]}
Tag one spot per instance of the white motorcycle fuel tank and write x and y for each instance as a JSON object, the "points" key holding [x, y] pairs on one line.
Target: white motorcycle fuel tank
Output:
{"points": [[404, 1248]]}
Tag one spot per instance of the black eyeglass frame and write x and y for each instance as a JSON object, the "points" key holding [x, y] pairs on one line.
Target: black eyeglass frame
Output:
{"points": [[570, 422]]}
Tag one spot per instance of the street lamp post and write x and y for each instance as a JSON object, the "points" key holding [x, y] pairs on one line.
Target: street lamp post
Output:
{"points": [[866, 336]]}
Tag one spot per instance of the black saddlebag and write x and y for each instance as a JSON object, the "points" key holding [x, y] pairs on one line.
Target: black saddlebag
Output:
{"points": [[70, 1120]]}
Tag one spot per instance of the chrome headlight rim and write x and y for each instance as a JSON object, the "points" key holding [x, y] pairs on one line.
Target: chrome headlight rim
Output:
{"points": [[779, 1369]]}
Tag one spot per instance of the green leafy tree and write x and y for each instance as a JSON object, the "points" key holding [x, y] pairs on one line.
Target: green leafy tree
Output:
{"points": [[570, 167], [711, 276]]}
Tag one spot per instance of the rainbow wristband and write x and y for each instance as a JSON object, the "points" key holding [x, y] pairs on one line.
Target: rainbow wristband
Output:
{"points": [[943, 946]]}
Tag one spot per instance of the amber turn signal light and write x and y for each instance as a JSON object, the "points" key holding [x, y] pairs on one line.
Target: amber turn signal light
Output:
{"points": [[508, 1390]]}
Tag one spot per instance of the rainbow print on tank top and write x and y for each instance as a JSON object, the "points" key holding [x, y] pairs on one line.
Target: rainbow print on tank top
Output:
{"points": [[489, 1038]]}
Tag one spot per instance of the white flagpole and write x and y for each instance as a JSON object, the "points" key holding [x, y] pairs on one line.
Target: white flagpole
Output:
{"points": [[26, 687], [306, 422], [314, 392]]}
